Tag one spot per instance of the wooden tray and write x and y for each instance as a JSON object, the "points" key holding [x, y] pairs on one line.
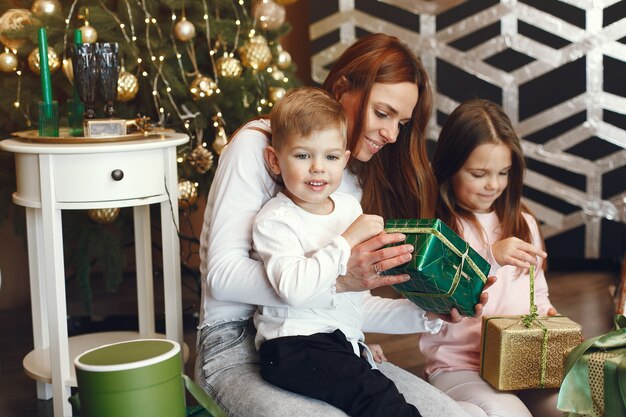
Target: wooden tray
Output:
{"points": [[65, 137]]}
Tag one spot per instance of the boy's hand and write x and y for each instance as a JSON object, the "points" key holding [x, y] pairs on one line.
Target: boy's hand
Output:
{"points": [[377, 353], [516, 252], [365, 227]]}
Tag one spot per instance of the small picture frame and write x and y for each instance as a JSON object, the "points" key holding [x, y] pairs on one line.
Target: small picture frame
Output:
{"points": [[105, 128]]}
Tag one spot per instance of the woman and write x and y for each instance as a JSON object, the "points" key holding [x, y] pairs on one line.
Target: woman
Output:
{"points": [[385, 92]]}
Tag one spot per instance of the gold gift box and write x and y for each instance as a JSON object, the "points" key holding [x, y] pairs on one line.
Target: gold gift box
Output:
{"points": [[511, 353]]}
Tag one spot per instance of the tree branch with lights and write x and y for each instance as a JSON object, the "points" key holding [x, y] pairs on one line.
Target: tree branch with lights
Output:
{"points": [[200, 67]]}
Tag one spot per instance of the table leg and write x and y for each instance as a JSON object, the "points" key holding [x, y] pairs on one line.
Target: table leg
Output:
{"points": [[145, 281], [37, 272], [55, 289], [171, 253]]}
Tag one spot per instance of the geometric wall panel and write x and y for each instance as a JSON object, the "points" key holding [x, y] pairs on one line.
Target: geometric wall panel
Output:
{"points": [[558, 68]]}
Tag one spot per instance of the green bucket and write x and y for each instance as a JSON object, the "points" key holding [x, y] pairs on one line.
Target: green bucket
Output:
{"points": [[129, 379]]}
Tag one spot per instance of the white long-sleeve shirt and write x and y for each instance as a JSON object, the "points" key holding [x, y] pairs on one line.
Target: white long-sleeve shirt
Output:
{"points": [[303, 254], [233, 283], [457, 346]]}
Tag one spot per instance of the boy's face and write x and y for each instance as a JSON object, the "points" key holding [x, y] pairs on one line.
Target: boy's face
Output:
{"points": [[311, 167]]}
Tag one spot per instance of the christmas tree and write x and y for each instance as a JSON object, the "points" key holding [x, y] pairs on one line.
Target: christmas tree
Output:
{"points": [[200, 67]]}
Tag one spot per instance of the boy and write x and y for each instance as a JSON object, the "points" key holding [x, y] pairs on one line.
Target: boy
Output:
{"points": [[304, 236]]}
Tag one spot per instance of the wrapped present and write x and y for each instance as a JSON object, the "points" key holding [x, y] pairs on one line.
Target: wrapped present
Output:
{"points": [[595, 381], [515, 357], [445, 271], [523, 352]]}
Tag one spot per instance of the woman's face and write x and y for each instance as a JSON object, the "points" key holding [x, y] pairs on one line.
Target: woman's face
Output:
{"points": [[390, 106]]}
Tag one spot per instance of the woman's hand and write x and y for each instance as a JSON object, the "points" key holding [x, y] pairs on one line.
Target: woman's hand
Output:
{"points": [[367, 260], [516, 252], [552, 312], [456, 317], [377, 353]]}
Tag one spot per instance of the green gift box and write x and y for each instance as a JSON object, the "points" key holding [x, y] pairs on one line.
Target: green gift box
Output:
{"points": [[445, 271], [595, 376]]}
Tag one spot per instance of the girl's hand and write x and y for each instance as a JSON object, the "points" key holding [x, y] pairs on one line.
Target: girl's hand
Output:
{"points": [[366, 226], [377, 353], [516, 252], [456, 317], [453, 317], [552, 312], [367, 260]]}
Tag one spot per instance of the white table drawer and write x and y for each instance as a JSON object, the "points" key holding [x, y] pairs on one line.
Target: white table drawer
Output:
{"points": [[90, 177]]}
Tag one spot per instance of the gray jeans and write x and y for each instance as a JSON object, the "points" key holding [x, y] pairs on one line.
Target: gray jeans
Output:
{"points": [[227, 367]]}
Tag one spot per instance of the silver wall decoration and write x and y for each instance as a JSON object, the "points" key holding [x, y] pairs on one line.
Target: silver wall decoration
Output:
{"points": [[558, 68]]}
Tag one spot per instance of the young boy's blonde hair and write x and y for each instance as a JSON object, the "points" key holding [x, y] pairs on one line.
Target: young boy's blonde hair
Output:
{"points": [[305, 110]]}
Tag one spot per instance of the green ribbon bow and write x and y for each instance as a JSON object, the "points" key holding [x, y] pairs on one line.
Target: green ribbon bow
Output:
{"points": [[531, 318], [575, 394]]}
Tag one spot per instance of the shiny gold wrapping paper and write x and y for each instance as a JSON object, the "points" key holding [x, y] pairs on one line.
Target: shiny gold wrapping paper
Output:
{"points": [[511, 353]]}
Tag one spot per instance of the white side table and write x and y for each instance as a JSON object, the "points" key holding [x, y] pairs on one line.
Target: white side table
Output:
{"points": [[54, 177]]}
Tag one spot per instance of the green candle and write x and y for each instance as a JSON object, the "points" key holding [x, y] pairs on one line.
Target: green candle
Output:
{"points": [[78, 37], [46, 85]]}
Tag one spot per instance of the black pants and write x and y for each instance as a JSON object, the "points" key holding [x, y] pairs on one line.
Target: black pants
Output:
{"points": [[324, 366]]}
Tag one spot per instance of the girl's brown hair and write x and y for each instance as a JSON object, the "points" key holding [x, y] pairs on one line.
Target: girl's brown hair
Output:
{"points": [[398, 181], [476, 122]]}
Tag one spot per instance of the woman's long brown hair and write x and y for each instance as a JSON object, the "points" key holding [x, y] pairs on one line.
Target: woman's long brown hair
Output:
{"points": [[398, 181], [474, 123]]}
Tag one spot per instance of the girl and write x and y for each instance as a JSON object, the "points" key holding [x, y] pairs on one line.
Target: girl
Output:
{"points": [[479, 165], [385, 92]]}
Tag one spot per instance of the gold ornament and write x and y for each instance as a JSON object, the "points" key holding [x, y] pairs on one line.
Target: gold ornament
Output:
{"points": [[277, 74], [46, 7], [187, 193], [276, 93], [228, 66], [53, 60], [8, 62], [127, 86], [14, 20], [270, 15], [256, 53], [184, 30], [202, 86], [221, 140], [285, 2], [68, 69], [104, 215], [283, 60], [89, 34], [201, 159]]}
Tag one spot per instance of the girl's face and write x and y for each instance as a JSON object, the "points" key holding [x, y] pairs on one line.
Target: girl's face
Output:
{"points": [[483, 177], [390, 106]]}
